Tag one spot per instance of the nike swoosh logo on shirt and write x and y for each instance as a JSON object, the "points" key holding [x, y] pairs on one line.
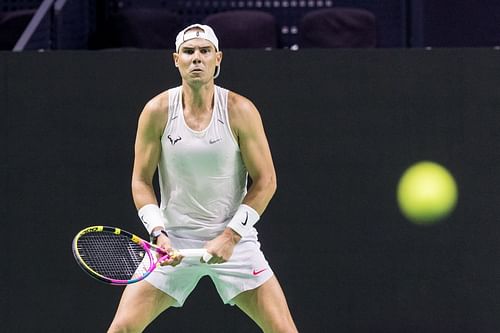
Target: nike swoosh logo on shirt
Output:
{"points": [[212, 141]]}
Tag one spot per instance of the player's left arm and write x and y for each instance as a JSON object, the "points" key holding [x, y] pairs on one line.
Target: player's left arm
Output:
{"points": [[248, 129]]}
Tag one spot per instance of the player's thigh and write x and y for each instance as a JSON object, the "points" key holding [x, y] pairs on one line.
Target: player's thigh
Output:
{"points": [[267, 306], [139, 305]]}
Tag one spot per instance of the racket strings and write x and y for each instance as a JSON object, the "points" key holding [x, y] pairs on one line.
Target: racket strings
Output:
{"points": [[113, 256]]}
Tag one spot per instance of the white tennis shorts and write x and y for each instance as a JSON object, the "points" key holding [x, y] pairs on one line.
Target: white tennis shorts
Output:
{"points": [[247, 269]]}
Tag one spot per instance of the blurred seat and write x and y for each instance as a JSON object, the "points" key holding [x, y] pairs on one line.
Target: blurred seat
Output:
{"points": [[338, 28], [12, 25], [455, 24], [143, 28], [238, 29]]}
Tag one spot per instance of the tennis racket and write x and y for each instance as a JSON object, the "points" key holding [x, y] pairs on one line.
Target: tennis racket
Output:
{"points": [[118, 257]]}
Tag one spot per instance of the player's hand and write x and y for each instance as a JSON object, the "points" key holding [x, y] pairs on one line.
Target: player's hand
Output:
{"points": [[174, 260], [221, 247], [175, 257]]}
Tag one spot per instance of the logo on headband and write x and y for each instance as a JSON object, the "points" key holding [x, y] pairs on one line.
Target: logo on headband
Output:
{"points": [[197, 34]]}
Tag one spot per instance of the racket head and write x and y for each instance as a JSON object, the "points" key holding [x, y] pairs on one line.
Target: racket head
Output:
{"points": [[114, 256]]}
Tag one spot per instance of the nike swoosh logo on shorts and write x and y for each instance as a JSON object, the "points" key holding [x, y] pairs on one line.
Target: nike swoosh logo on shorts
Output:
{"points": [[255, 273]]}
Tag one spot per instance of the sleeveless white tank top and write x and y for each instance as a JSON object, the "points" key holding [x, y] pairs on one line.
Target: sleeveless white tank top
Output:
{"points": [[202, 176]]}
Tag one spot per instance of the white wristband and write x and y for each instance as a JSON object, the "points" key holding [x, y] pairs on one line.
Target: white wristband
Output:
{"points": [[151, 217], [244, 220]]}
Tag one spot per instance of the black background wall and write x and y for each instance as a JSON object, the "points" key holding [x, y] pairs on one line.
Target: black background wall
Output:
{"points": [[343, 125]]}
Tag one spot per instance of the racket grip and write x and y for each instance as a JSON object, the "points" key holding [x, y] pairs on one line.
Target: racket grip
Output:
{"points": [[207, 256], [196, 253]]}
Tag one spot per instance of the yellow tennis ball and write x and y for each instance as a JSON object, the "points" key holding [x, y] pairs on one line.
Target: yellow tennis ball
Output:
{"points": [[426, 193]]}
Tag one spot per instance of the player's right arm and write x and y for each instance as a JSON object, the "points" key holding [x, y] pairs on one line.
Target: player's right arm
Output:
{"points": [[147, 149], [152, 122]]}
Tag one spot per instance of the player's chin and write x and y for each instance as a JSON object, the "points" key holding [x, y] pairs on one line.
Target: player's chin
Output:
{"points": [[199, 77]]}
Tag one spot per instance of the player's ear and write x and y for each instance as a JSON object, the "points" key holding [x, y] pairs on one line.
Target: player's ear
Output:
{"points": [[175, 56], [219, 57]]}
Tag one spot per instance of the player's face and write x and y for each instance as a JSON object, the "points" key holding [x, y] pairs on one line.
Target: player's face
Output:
{"points": [[197, 59]]}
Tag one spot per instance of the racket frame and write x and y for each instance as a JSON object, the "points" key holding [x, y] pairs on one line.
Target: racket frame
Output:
{"points": [[148, 247]]}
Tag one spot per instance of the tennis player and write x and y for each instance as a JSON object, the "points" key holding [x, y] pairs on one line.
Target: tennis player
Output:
{"points": [[204, 141]]}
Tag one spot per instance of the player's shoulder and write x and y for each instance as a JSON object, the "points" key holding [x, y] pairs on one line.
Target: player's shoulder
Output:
{"points": [[155, 113], [242, 113], [239, 105], [157, 105]]}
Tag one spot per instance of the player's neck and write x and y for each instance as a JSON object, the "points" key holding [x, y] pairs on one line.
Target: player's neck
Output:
{"points": [[198, 99]]}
